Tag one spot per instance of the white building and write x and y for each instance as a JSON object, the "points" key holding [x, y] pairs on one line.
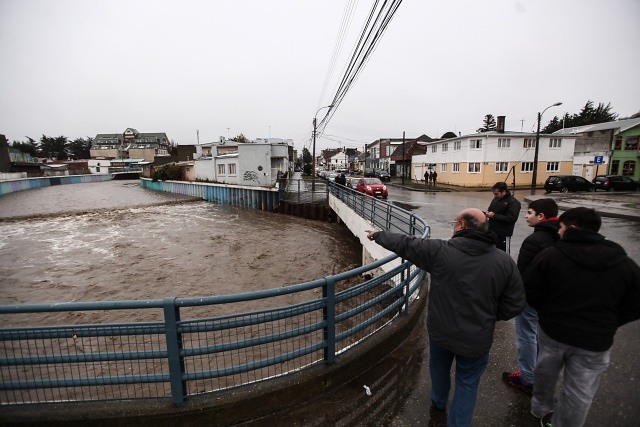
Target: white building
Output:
{"points": [[258, 163]]}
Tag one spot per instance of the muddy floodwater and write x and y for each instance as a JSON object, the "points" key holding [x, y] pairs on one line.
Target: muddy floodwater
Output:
{"points": [[117, 241]]}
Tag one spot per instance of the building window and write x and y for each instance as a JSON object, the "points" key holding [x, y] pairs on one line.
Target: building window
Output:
{"points": [[555, 143], [443, 167], [475, 144], [434, 148], [457, 145], [221, 170], [504, 142], [629, 168], [631, 143], [529, 143], [97, 168], [445, 146], [232, 169], [456, 167], [615, 166], [553, 166], [526, 167], [617, 145], [502, 166], [474, 167]]}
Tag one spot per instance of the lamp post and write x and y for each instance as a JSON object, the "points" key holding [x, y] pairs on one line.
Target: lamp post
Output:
{"points": [[534, 177], [313, 169]]}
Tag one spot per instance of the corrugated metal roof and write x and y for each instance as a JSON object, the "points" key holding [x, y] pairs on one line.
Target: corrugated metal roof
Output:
{"points": [[621, 125]]}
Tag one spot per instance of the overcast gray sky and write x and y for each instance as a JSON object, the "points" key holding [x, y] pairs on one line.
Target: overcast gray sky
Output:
{"points": [[262, 68]]}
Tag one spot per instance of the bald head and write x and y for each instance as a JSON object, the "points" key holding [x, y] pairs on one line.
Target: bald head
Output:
{"points": [[473, 219]]}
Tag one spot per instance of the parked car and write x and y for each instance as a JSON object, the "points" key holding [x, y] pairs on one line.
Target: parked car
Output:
{"points": [[615, 183], [369, 173], [373, 187], [382, 175], [352, 181], [331, 176], [566, 183]]}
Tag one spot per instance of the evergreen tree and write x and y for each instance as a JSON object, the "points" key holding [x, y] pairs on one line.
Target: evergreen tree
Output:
{"points": [[80, 148], [489, 124], [307, 161], [29, 146], [589, 115], [53, 148]]}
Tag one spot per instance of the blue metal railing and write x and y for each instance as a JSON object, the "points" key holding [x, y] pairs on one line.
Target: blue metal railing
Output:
{"points": [[174, 348], [14, 185]]}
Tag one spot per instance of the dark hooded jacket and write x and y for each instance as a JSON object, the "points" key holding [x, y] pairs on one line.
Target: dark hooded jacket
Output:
{"points": [[506, 212], [584, 288], [544, 234], [473, 285]]}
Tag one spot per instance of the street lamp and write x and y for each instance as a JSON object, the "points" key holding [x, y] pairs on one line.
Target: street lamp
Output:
{"points": [[534, 177], [313, 169]]}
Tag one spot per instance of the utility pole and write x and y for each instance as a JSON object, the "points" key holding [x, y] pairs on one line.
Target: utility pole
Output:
{"points": [[534, 176], [403, 158]]}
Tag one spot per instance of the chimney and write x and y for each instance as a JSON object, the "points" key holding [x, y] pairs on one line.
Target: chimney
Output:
{"points": [[500, 125]]}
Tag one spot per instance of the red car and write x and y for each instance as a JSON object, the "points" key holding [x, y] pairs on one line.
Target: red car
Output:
{"points": [[373, 187]]}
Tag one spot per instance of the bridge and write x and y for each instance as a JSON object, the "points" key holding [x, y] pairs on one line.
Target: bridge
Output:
{"points": [[186, 360]]}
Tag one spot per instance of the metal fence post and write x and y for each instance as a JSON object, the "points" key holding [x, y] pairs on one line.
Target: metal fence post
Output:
{"points": [[329, 315], [174, 345]]}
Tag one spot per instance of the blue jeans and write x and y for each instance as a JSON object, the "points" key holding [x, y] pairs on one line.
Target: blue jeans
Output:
{"points": [[468, 373], [582, 372], [527, 335]]}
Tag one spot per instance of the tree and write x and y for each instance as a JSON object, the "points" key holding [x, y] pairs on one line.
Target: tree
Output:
{"points": [[489, 124], [307, 160], [29, 146], [80, 148], [53, 148], [240, 138], [587, 116], [448, 135]]}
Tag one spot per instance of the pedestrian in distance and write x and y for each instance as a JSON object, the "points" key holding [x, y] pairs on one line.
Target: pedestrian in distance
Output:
{"points": [[427, 178], [341, 179], [473, 285], [584, 288], [503, 213], [434, 175], [542, 215]]}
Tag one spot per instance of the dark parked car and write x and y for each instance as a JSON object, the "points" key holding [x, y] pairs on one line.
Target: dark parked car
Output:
{"points": [[566, 183], [373, 187], [382, 175], [615, 182]]}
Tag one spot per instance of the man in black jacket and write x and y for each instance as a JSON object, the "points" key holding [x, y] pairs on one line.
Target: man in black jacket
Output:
{"points": [[473, 285], [584, 288], [503, 213], [542, 214]]}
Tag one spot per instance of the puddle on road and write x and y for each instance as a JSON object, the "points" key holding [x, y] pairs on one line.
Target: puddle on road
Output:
{"points": [[405, 206]]}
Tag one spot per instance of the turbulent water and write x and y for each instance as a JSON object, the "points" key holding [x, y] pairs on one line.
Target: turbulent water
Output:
{"points": [[115, 240]]}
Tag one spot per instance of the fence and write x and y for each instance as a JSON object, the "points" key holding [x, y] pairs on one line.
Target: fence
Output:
{"points": [[11, 186], [190, 346]]}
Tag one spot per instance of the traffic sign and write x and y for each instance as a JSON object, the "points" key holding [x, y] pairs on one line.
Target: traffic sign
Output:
{"points": [[598, 160]]}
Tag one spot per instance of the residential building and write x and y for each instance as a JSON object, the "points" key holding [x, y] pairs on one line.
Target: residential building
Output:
{"points": [[402, 155], [130, 144], [381, 153], [482, 159], [258, 163], [616, 142]]}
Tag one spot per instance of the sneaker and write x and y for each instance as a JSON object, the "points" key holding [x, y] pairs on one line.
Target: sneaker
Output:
{"points": [[546, 420], [514, 379], [434, 406]]}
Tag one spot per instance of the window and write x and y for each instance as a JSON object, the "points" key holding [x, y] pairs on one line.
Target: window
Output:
{"points": [[615, 166], [526, 167], [631, 143], [475, 144], [617, 145], [434, 148], [502, 166], [456, 167], [443, 167], [445, 146], [474, 167], [529, 143], [553, 166], [232, 169], [629, 168], [504, 142], [457, 145], [220, 169], [555, 143]]}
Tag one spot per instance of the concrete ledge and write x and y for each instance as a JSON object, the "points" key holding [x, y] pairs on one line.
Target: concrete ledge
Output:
{"points": [[238, 405]]}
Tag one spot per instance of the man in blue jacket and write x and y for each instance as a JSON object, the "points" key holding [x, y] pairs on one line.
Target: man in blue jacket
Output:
{"points": [[584, 288], [473, 285]]}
